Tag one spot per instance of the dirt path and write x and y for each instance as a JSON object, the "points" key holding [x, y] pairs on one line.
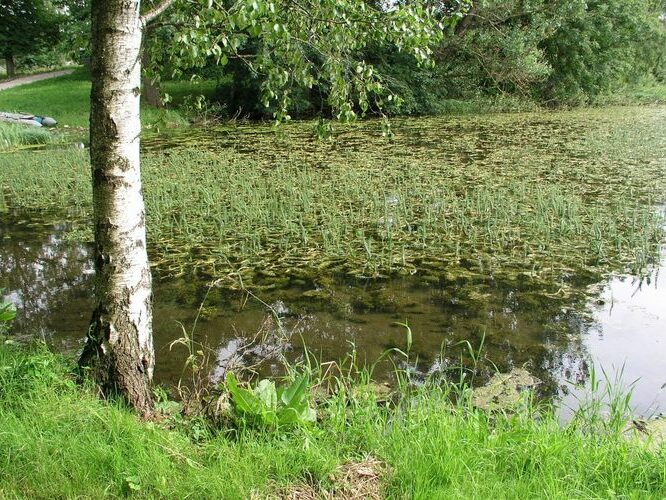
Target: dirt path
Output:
{"points": [[22, 80]]}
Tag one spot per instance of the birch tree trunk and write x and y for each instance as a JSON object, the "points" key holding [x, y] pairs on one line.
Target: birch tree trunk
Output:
{"points": [[119, 351]]}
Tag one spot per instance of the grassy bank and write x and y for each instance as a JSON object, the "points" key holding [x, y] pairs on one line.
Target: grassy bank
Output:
{"points": [[67, 99], [647, 94], [629, 95], [60, 440]]}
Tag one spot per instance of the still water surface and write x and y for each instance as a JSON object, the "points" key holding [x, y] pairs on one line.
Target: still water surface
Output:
{"points": [[622, 328]]}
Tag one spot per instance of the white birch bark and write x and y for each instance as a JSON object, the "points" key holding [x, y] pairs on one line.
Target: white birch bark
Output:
{"points": [[119, 349]]}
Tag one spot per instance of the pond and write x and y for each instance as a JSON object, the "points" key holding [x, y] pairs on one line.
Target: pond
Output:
{"points": [[531, 238], [623, 329]]}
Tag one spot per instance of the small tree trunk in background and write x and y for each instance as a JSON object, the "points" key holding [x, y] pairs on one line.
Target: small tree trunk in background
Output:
{"points": [[119, 347], [152, 94], [10, 65]]}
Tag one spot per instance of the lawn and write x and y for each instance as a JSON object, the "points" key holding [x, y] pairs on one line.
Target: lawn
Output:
{"points": [[67, 99]]}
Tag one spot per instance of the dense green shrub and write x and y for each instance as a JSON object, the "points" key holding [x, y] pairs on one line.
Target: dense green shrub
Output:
{"points": [[553, 52]]}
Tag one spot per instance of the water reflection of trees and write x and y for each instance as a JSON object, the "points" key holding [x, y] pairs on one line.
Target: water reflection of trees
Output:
{"points": [[50, 280], [47, 277], [517, 327]]}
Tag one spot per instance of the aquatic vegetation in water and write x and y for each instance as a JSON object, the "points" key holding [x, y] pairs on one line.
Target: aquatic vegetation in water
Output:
{"points": [[539, 197]]}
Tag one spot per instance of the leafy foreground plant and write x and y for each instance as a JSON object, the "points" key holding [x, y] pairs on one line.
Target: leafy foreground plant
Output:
{"points": [[271, 406], [7, 315], [59, 440]]}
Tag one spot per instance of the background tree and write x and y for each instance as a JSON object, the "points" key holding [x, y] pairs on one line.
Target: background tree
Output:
{"points": [[27, 27], [75, 30], [599, 45], [556, 52]]}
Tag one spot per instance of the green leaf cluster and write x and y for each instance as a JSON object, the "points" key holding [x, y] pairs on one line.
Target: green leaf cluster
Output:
{"points": [[27, 27], [350, 58], [270, 406], [303, 44], [7, 315], [600, 45]]}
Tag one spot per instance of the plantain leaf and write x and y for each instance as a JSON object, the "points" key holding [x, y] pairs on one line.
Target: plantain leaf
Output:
{"points": [[293, 394], [267, 393], [244, 400], [7, 312]]}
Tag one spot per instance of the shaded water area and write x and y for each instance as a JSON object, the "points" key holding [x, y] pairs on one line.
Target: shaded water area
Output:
{"points": [[521, 233], [622, 325]]}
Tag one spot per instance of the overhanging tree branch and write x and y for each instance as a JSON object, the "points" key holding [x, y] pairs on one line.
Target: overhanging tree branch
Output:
{"points": [[156, 12]]}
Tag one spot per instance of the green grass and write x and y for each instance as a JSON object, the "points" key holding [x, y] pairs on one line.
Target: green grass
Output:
{"points": [[179, 90], [67, 99], [59, 440], [13, 137], [648, 94]]}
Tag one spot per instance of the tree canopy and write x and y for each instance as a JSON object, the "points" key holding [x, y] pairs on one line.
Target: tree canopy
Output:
{"points": [[27, 27], [560, 52], [292, 44]]}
